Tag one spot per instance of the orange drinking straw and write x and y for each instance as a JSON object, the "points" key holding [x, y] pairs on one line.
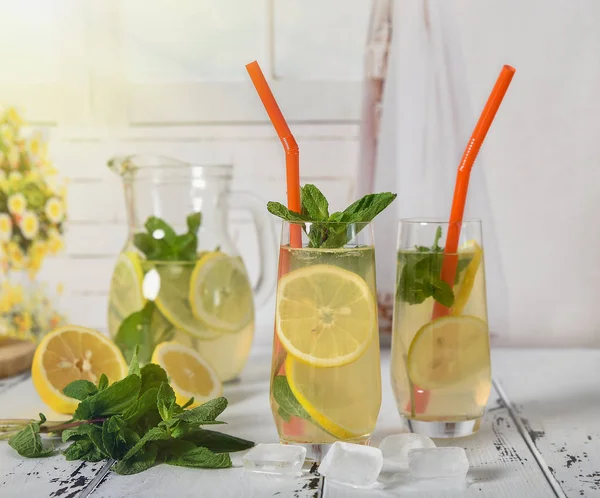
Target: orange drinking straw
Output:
{"points": [[450, 262], [290, 147]]}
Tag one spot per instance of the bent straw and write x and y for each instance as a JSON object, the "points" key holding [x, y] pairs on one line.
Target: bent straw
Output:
{"points": [[420, 397], [290, 147]]}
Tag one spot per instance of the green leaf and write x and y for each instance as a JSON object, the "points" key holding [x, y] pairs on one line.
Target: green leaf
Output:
{"points": [[143, 406], [189, 402], [94, 455], [159, 229], [134, 365], [200, 458], [110, 433], [146, 244], [217, 442], [442, 293], [314, 203], [78, 449], [366, 208], [154, 434], [285, 416], [185, 247], [136, 331], [152, 376], [113, 400], [193, 222], [285, 398], [284, 213], [205, 413], [102, 382], [28, 443], [165, 401], [140, 462], [80, 389]]}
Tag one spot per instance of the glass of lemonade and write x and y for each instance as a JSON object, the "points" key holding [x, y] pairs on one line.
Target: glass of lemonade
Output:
{"points": [[325, 375], [441, 375], [179, 278]]}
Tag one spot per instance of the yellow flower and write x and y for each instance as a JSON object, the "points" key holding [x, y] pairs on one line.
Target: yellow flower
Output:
{"points": [[13, 117], [55, 241], [29, 225], [34, 144], [14, 177], [17, 203], [5, 227], [7, 134], [16, 258], [54, 210], [23, 321]]}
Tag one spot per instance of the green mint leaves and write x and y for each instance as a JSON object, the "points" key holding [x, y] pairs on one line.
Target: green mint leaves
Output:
{"points": [[288, 404], [137, 422], [161, 243], [420, 277], [331, 230]]}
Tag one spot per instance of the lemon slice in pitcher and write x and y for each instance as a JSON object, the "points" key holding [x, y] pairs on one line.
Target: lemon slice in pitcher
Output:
{"points": [[448, 351], [220, 293], [125, 290], [325, 315], [468, 279], [173, 299]]}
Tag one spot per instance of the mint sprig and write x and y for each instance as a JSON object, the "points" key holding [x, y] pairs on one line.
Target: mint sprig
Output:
{"points": [[160, 242], [135, 421], [331, 230], [421, 278]]}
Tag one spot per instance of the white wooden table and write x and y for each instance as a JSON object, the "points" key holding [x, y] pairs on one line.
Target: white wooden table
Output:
{"points": [[540, 439]]}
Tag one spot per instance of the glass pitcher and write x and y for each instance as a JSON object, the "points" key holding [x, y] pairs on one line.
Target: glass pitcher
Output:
{"points": [[179, 276]]}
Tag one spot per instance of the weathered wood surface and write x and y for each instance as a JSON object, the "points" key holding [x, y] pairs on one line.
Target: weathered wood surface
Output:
{"points": [[555, 405], [555, 398]]}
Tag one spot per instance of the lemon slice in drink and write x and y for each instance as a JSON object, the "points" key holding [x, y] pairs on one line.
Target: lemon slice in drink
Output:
{"points": [[343, 401], [325, 316], [448, 351], [173, 299], [125, 290], [190, 374], [220, 294], [468, 279]]}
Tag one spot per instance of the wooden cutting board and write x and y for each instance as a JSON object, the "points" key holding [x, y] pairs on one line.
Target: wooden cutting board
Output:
{"points": [[15, 356]]}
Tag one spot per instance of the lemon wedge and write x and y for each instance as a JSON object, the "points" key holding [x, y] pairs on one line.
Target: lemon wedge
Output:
{"points": [[468, 279], [125, 290]]}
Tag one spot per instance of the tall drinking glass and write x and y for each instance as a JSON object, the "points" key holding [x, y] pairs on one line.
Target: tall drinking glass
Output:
{"points": [[325, 375], [440, 345]]}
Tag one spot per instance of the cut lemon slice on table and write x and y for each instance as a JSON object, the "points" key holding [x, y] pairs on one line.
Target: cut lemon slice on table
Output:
{"points": [[220, 293], [125, 290], [174, 303], [343, 401], [190, 374], [448, 351], [71, 353], [325, 315], [468, 279]]}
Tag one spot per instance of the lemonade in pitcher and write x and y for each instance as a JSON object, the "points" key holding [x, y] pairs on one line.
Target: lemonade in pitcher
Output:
{"points": [[179, 288], [325, 374], [441, 373]]}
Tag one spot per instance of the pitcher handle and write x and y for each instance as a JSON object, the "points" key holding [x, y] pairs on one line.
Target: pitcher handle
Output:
{"points": [[267, 243]]}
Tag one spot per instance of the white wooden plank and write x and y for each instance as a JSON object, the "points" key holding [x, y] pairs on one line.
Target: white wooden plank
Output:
{"points": [[52, 476], [554, 396]]}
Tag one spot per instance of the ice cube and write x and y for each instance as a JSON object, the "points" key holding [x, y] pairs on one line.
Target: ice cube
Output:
{"points": [[395, 449], [353, 464], [432, 463], [275, 458]]}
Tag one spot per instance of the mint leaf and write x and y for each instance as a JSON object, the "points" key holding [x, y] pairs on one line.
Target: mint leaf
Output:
{"points": [[102, 382], [200, 458], [285, 398], [134, 365], [159, 229], [78, 450], [136, 330], [442, 293], [184, 247], [193, 222], [205, 413], [145, 407], [113, 400], [80, 389], [284, 213], [152, 376], [189, 402], [314, 203], [285, 416], [165, 401], [366, 208], [28, 443], [154, 434], [138, 463], [217, 442]]}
